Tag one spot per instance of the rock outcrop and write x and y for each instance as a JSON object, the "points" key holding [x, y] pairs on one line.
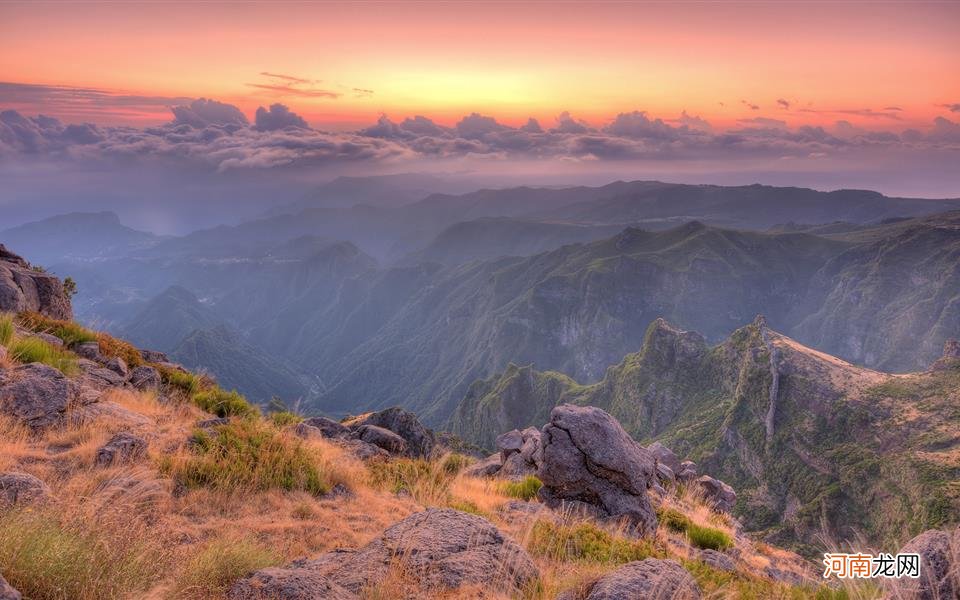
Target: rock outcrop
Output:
{"points": [[122, 447], [21, 488], [36, 395], [420, 440], [649, 579], [590, 462], [440, 549], [25, 288], [950, 358], [939, 567], [519, 454], [720, 495]]}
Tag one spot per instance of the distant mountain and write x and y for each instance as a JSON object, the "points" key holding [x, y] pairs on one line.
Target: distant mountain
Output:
{"points": [[76, 236], [376, 190], [239, 365], [808, 440], [168, 318]]}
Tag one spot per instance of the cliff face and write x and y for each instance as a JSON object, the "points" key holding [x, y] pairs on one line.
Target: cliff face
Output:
{"points": [[25, 288], [812, 443]]}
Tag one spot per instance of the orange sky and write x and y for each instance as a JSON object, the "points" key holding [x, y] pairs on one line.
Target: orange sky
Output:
{"points": [[855, 61]]}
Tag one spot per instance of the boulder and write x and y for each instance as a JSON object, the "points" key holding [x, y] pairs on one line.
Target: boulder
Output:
{"points": [[665, 474], [484, 468], [509, 443], [19, 488], [939, 567], [664, 455], [50, 339], [118, 366], [7, 592], [588, 459], [89, 351], [23, 288], [328, 427], [382, 438], [122, 447], [288, 584], [37, 396], [717, 560], [526, 460], [100, 377], [687, 472], [439, 549], [720, 495], [145, 378], [365, 451], [152, 356], [649, 579], [420, 440]]}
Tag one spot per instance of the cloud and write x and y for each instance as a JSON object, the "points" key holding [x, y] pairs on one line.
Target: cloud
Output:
{"points": [[362, 93], [289, 78], [281, 89], [694, 122], [785, 104], [476, 126], [532, 126], [202, 112], [887, 113], [951, 107], [750, 105], [567, 124], [764, 122], [278, 117], [637, 125]]}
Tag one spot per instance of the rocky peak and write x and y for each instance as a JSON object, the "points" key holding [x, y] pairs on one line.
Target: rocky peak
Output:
{"points": [[950, 357], [27, 288]]}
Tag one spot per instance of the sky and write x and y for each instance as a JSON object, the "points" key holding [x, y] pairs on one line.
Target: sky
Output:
{"points": [[845, 93]]}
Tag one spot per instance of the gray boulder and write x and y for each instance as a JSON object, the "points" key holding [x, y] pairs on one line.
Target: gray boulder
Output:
{"points": [[20, 488], [89, 351], [420, 440], [118, 366], [939, 567], [665, 474], [687, 472], [24, 289], [588, 459], [526, 459], [152, 356], [36, 395], [365, 451], [665, 456], [717, 560], [7, 592], [720, 495], [50, 339], [328, 427], [382, 438], [509, 443], [649, 579], [288, 584], [440, 549], [145, 378], [484, 468], [122, 447]]}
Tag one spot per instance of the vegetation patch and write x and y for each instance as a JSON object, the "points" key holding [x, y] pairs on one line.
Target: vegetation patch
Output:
{"points": [[248, 454], [700, 536], [586, 542], [7, 329], [284, 418], [211, 572], [525, 489], [223, 403], [186, 382], [32, 349], [71, 333], [111, 347], [426, 480]]}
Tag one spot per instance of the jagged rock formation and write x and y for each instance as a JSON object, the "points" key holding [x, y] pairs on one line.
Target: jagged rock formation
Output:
{"points": [[420, 441], [25, 288], [442, 549], [393, 431]]}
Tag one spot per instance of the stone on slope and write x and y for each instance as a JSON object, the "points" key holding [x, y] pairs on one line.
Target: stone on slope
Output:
{"points": [[485, 467], [665, 456], [526, 460], [288, 584], [19, 488], [36, 395], [720, 495], [7, 592], [509, 443], [23, 288], [420, 440], [122, 447], [939, 567], [588, 459], [89, 351], [118, 366], [145, 378], [328, 427], [649, 579], [437, 548], [382, 438], [717, 560]]}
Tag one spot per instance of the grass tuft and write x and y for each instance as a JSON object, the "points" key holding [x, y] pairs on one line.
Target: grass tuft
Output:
{"points": [[283, 418], [700, 536], [427, 481], [586, 542], [32, 349], [219, 564], [223, 403], [71, 333], [525, 489], [7, 329], [112, 347]]}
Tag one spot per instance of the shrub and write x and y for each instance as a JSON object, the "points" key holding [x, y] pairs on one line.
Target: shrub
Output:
{"points": [[674, 520], [467, 506], [708, 538], [219, 564], [223, 403], [7, 329], [525, 489], [111, 347], [453, 463], [427, 481], [32, 349], [184, 381], [283, 418], [44, 557], [248, 454], [586, 542], [71, 333]]}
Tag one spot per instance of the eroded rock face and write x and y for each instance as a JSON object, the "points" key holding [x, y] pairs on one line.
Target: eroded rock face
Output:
{"points": [[720, 495], [589, 459], [24, 289], [328, 428], [7, 592], [382, 438], [122, 447], [650, 579], [438, 548], [145, 378], [21, 488], [420, 440], [665, 456], [939, 567], [37, 396]]}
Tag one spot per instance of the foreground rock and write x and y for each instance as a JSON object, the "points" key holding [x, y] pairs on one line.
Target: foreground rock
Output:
{"points": [[420, 440], [21, 488], [36, 395], [650, 579], [145, 378], [720, 495], [939, 567], [438, 549], [590, 462], [382, 438], [7, 592], [23, 288], [123, 447]]}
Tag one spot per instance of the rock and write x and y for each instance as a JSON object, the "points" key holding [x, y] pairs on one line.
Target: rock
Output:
{"points": [[152, 356], [363, 450], [110, 412], [649, 579], [664, 455], [212, 423], [101, 377], [939, 567], [145, 378], [532, 448], [687, 472], [89, 351], [24, 289], [665, 473], [509, 443], [717, 560], [516, 468], [37, 396], [950, 357], [118, 366], [7, 592], [484, 468], [19, 488], [50, 339], [437, 548], [327, 427], [382, 438], [420, 440], [717, 493], [122, 447], [288, 584], [588, 458]]}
